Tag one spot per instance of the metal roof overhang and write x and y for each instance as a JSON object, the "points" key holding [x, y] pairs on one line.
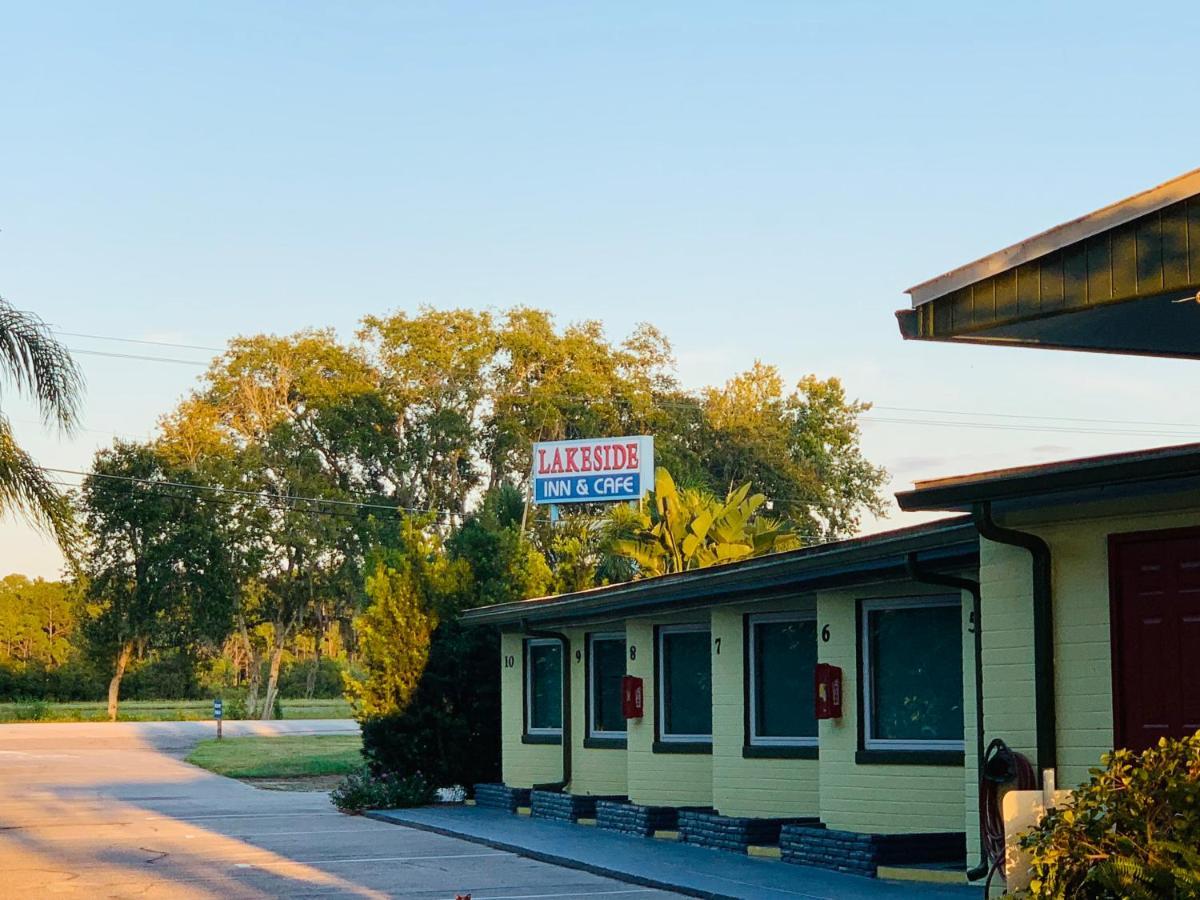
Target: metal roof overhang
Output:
{"points": [[951, 543], [1124, 279], [1114, 476]]}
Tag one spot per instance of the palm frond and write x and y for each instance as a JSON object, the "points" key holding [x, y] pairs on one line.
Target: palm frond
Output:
{"points": [[25, 489], [39, 366]]}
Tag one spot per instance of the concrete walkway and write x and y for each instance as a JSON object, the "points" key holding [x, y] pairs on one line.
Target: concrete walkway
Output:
{"points": [[695, 871], [96, 810]]}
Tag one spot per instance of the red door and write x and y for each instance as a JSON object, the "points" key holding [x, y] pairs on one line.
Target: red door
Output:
{"points": [[1156, 635]]}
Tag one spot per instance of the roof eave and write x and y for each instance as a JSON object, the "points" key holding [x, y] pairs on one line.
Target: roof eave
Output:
{"points": [[962, 494], [953, 545], [1112, 216]]}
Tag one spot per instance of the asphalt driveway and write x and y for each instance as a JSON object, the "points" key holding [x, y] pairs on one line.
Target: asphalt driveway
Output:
{"points": [[111, 810]]}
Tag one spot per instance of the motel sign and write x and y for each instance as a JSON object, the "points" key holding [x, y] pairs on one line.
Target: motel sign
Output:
{"points": [[593, 470]]}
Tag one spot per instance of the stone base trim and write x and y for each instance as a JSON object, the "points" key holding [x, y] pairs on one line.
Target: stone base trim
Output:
{"points": [[501, 796], [565, 807], [632, 818], [863, 854], [737, 833]]}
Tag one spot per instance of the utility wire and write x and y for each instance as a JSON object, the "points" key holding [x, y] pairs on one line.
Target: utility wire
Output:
{"points": [[692, 399], [1048, 429], [956, 412], [161, 359], [193, 498], [260, 495], [125, 340]]}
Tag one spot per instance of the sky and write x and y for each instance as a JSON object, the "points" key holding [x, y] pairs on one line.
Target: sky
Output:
{"points": [[760, 180]]}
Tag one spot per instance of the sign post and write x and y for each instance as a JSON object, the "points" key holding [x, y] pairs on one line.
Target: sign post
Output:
{"points": [[218, 714], [592, 470]]}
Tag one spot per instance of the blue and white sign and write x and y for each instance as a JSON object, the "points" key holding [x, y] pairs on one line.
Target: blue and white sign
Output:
{"points": [[594, 470]]}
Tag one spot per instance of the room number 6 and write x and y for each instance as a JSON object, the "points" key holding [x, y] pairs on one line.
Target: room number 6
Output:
{"points": [[825, 635]]}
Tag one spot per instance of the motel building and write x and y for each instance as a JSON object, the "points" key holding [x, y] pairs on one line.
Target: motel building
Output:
{"points": [[831, 705]]}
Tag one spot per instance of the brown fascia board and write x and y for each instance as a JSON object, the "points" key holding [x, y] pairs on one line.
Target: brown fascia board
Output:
{"points": [[960, 492], [1080, 229], [952, 542]]}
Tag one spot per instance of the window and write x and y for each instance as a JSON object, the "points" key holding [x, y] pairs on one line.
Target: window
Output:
{"points": [[913, 674], [783, 653], [543, 687], [684, 684], [606, 668]]}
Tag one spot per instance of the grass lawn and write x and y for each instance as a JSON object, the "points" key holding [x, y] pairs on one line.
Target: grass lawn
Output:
{"points": [[157, 711], [291, 756]]}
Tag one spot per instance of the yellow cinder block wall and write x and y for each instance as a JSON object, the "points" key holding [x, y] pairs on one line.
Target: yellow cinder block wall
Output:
{"points": [[1078, 541], [880, 798], [661, 779], [522, 765], [593, 770], [752, 787]]}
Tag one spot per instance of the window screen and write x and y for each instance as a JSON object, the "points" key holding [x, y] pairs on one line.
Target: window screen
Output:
{"points": [[543, 671], [784, 654], [608, 668], [686, 684], [914, 662]]}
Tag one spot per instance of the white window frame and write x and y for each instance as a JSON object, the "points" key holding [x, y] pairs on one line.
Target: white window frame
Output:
{"points": [[888, 603], [530, 643], [660, 685], [752, 680], [591, 683]]}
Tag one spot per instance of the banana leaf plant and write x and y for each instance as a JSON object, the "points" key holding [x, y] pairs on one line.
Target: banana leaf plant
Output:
{"points": [[676, 530]]}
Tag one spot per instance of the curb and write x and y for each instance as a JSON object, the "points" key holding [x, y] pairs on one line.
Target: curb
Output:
{"points": [[566, 862]]}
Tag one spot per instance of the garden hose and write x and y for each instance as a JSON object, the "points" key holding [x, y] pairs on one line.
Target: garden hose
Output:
{"points": [[1002, 766]]}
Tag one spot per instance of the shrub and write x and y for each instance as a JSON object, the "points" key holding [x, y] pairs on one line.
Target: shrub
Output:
{"points": [[1133, 831], [31, 710], [451, 729], [327, 683], [364, 790], [172, 676], [233, 702]]}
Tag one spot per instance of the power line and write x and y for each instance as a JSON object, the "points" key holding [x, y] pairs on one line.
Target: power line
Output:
{"points": [[688, 404], [125, 340], [1001, 426], [161, 359], [259, 495], [955, 412], [193, 498]]}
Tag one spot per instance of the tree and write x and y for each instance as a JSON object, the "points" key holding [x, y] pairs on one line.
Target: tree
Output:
{"points": [[298, 426], [677, 530], [37, 621], [446, 724], [39, 367], [802, 449], [410, 589], [158, 570], [434, 371]]}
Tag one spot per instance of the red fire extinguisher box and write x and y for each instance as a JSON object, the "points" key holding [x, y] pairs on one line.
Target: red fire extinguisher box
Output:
{"points": [[828, 691], [632, 702]]}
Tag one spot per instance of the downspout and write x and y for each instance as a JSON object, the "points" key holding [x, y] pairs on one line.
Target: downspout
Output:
{"points": [[1043, 629], [926, 576], [565, 642]]}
